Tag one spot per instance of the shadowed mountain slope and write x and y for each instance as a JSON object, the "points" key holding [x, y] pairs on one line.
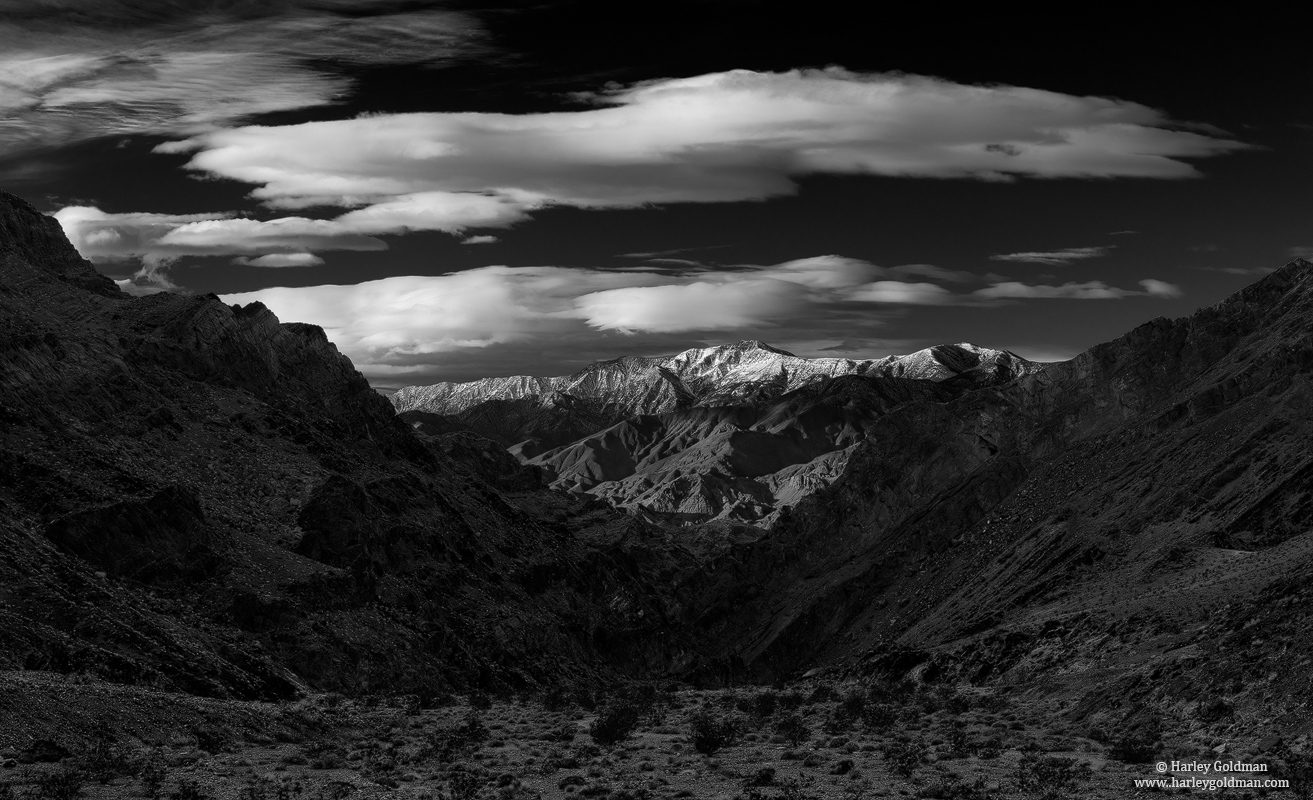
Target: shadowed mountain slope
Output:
{"points": [[196, 496], [1104, 526]]}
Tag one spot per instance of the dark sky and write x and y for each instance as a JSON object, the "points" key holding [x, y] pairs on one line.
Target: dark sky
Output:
{"points": [[468, 189]]}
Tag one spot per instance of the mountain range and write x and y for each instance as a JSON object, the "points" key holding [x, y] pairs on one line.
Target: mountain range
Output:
{"points": [[737, 431], [196, 497]]}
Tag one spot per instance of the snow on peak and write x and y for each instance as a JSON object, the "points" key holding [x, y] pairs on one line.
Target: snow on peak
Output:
{"points": [[703, 376]]}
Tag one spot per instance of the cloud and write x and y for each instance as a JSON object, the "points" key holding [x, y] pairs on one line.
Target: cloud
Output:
{"points": [[1091, 290], [722, 137], [415, 321], [1054, 257], [72, 70], [900, 292], [281, 260], [479, 240], [284, 241], [161, 238], [1160, 288], [1300, 252], [417, 328]]}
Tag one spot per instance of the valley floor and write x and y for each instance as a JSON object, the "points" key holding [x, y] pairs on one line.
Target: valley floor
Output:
{"points": [[817, 740]]}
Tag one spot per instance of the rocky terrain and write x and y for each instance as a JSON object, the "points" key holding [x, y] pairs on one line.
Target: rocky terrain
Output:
{"points": [[733, 432], [196, 497], [204, 511]]}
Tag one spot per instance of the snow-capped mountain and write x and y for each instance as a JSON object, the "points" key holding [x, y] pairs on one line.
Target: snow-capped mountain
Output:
{"points": [[728, 374]]}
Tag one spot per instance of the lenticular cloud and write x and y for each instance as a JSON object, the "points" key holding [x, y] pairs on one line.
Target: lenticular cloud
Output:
{"points": [[729, 136]]}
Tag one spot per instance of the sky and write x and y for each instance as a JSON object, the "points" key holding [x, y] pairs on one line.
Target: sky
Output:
{"points": [[461, 190]]}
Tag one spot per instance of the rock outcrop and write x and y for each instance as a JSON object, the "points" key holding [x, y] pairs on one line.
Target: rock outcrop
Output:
{"points": [[197, 496]]}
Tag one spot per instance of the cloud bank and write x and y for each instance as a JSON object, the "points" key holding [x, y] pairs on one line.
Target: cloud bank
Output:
{"points": [[414, 324], [723, 137]]}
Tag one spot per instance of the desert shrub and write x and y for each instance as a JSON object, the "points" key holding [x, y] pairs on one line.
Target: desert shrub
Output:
{"points": [[152, 773], [904, 757], [1049, 777], [878, 717], [102, 758], [480, 699], [823, 693], [793, 728], [324, 753], [464, 783], [839, 722], [992, 701], [212, 738], [614, 723], [853, 703], [1134, 747], [188, 790], [791, 700], [64, 783], [557, 698], [711, 731], [763, 706], [1298, 769], [380, 764], [459, 741], [956, 744], [950, 787], [954, 701]]}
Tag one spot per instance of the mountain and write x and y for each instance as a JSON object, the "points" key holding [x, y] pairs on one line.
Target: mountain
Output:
{"points": [[1127, 530], [731, 432], [610, 391], [197, 497]]}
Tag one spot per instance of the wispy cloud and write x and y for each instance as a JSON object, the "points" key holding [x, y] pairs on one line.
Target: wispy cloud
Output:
{"points": [[1054, 257], [72, 70], [482, 239], [281, 260], [1091, 290], [1300, 252]]}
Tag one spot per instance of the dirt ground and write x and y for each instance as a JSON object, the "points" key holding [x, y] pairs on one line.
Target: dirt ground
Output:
{"points": [[64, 738]]}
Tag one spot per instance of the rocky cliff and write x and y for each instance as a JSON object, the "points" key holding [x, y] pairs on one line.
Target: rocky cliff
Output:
{"points": [[1108, 528], [197, 496]]}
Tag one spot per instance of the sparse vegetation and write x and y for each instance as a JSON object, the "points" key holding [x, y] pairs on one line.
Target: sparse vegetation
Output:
{"points": [[1050, 777], [711, 731], [793, 728], [905, 756], [615, 722]]}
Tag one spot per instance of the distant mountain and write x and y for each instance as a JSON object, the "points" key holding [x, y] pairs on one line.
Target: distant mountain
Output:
{"points": [[726, 375], [688, 437]]}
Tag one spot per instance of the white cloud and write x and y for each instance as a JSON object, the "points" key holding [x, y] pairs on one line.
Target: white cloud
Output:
{"points": [[1054, 257], [701, 305], [281, 260], [158, 238], [901, 292], [482, 239], [730, 136], [1090, 290], [72, 70], [416, 325], [285, 241], [1160, 288]]}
